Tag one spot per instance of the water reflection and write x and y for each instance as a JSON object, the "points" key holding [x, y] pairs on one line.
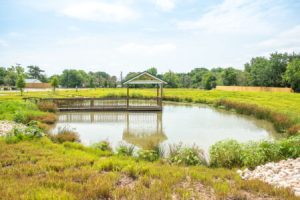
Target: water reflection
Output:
{"points": [[141, 128], [200, 125]]}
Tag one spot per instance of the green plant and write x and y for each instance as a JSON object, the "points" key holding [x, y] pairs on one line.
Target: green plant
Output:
{"points": [[148, 155], [225, 153], [103, 146], [125, 150], [290, 148], [186, 155], [20, 134]]}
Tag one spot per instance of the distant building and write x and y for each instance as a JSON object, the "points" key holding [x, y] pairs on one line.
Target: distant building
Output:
{"points": [[35, 83], [32, 81]]}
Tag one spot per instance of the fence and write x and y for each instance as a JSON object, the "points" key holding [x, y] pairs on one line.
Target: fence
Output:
{"points": [[254, 89], [37, 85]]}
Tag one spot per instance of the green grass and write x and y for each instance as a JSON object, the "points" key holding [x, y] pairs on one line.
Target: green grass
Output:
{"points": [[41, 169], [287, 103]]}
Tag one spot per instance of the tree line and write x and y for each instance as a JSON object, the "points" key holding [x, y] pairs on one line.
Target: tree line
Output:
{"points": [[277, 70]]}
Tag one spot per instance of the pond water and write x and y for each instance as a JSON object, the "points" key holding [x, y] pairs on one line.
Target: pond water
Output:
{"points": [[177, 123]]}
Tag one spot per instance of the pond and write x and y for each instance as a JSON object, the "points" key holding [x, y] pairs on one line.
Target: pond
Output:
{"points": [[177, 123]]}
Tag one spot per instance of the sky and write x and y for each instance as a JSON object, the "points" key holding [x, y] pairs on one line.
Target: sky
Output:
{"points": [[134, 35]]}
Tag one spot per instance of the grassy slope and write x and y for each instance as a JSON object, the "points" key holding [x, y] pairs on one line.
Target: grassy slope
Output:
{"points": [[40, 169]]}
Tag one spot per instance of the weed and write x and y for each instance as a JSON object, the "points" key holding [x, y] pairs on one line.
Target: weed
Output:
{"points": [[64, 135]]}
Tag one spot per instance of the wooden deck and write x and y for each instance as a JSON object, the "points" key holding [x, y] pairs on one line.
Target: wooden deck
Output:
{"points": [[106, 104]]}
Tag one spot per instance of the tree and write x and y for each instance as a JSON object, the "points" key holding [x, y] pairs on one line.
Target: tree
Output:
{"points": [[230, 76], [20, 83], [257, 71], [10, 76], [152, 71], [72, 78], [172, 79], [209, 81], [35, 72], [196, 76], [54, 82], [292, 74], [2, 75]]}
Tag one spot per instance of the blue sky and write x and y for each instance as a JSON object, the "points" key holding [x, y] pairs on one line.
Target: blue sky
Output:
{"points": [[133, 35]]}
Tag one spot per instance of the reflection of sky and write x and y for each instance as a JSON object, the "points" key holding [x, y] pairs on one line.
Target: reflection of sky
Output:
{"points": [[202, 126]]}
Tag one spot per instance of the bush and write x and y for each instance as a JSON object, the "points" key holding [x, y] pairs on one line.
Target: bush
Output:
{"points": [[48, 118], [125, 150], [290, 148], [225, 153], [47, 106], [64, 135], [253, 155], [148, 155], [18, 134], [186, 155], [103, 146], [20, 117]]}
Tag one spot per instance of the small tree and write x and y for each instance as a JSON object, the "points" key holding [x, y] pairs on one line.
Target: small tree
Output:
{"points": [[292, 74], [54, 83], [20, 83]]}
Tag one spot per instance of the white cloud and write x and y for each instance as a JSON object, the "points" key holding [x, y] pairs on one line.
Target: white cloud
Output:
{"points": [[3, 43], [165, 5], [235, 16], [98, 11], [288, 40], [147, 50]]}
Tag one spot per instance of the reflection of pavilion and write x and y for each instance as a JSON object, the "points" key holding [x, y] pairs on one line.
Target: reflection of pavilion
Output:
{"points": [[142, 129]]}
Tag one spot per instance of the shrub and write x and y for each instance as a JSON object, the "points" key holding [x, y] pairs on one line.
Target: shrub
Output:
{"points": [[48, 118], [148, 155], [64, 135], [103, 146], [186, 155], [290, 148], [125, 150], [20, 117], [225, 154], [47, 106], [18, 134], [253, 155]]}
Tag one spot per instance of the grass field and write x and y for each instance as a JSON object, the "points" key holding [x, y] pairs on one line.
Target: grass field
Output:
{"points": [[284, 103], [41, 169]]}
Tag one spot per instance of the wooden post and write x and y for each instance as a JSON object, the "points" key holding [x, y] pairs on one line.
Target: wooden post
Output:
{"points": [[161, 95], [157, 94], [127, 97], [92, 103]]}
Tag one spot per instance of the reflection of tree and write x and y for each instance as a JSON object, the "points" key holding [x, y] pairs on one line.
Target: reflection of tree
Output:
{"points": [[144, 129]]}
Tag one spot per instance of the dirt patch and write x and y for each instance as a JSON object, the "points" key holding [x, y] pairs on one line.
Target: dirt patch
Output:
{"points": [[194, 190], [126, 181]]}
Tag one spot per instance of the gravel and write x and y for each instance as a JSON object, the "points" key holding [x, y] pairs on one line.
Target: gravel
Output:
{"points": [[8, 126], [285, 173]]}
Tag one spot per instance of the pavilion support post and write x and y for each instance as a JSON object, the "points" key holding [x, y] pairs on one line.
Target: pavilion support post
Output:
{"points": [[161, 94], [127, 102], [157, 94]]}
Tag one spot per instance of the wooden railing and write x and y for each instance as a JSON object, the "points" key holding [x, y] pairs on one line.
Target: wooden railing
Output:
{"points": [[105, 104]]}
